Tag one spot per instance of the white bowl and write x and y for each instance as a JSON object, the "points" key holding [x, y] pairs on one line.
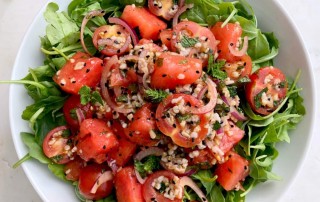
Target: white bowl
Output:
{"points": [[293, 56]]}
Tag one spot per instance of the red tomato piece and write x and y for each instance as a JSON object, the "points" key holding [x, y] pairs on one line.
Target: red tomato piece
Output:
{"points": [[173, 70], [125, 150], [204, 160], [150, 194], [111, 40], [206, 42], [128, 189], [165, 37], [175, 130], [81, 70], [232, 135], [241, 67], [56, 145], [231, 172], [95, 140], [229, 34], [87, 179], [267, 89], [164, 8], [72, 169], [69, 111], [118, 79], [149, 25], [138, 131]]}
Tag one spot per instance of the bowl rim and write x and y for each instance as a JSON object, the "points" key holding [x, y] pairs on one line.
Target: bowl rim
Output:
{"points": [[313, 99]]}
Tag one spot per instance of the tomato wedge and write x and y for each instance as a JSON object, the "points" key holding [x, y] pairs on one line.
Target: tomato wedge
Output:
{"points": [[231, 172], [173, 70], [89, 176], [138, 131], [267, 89], [111, 40], [57, 145], [80, 70], [125, 150], [227, 35], [175, 130], [241, 67], [128, 189], [69, 111], [163, 8], [72, 168], [95, 140], [139, 17], [149, 191], [189, 39]]}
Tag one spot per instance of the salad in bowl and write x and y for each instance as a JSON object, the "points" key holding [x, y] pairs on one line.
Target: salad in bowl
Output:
{"points": [[159, 100]]}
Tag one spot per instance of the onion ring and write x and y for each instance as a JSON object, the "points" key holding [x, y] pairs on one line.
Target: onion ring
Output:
{"points": [[104, 177], [132, 33], [241, 52], [85, 20], [187, 181], [212, 102], [179, 12], [104, 89]]}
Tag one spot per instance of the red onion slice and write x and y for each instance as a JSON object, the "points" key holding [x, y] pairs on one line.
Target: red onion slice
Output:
{"points": [[104, 89], [187, 181], [147, 152], [212, 102], [80, 115], [104, 177], [179, 12], [202, 92], [85, 20], [132, 33], [181, 3], [139, 178], [236, 114], [241, 52]]}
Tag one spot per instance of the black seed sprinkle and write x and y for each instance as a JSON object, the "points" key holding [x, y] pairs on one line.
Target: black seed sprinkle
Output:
{"points": [[219, 51], [104, 147], [88, 70], [118, 33], [174, 125], [164, 75], [198, 72], [118, 51], [231, 44]]}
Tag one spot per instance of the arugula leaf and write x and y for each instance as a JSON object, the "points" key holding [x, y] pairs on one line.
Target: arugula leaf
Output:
{"points": [[206, 178], [155, 95], [216, 195], [57, 170], [35, 150], [60, 25]]}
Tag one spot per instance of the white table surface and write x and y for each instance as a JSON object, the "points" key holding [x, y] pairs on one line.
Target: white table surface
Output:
{"points": [[16, 16]]}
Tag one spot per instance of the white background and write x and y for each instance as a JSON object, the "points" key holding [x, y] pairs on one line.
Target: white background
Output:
{"points": [[17, 15]]}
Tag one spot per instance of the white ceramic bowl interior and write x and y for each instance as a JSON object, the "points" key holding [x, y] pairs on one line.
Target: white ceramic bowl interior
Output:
{"points": [[293, 56]]}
